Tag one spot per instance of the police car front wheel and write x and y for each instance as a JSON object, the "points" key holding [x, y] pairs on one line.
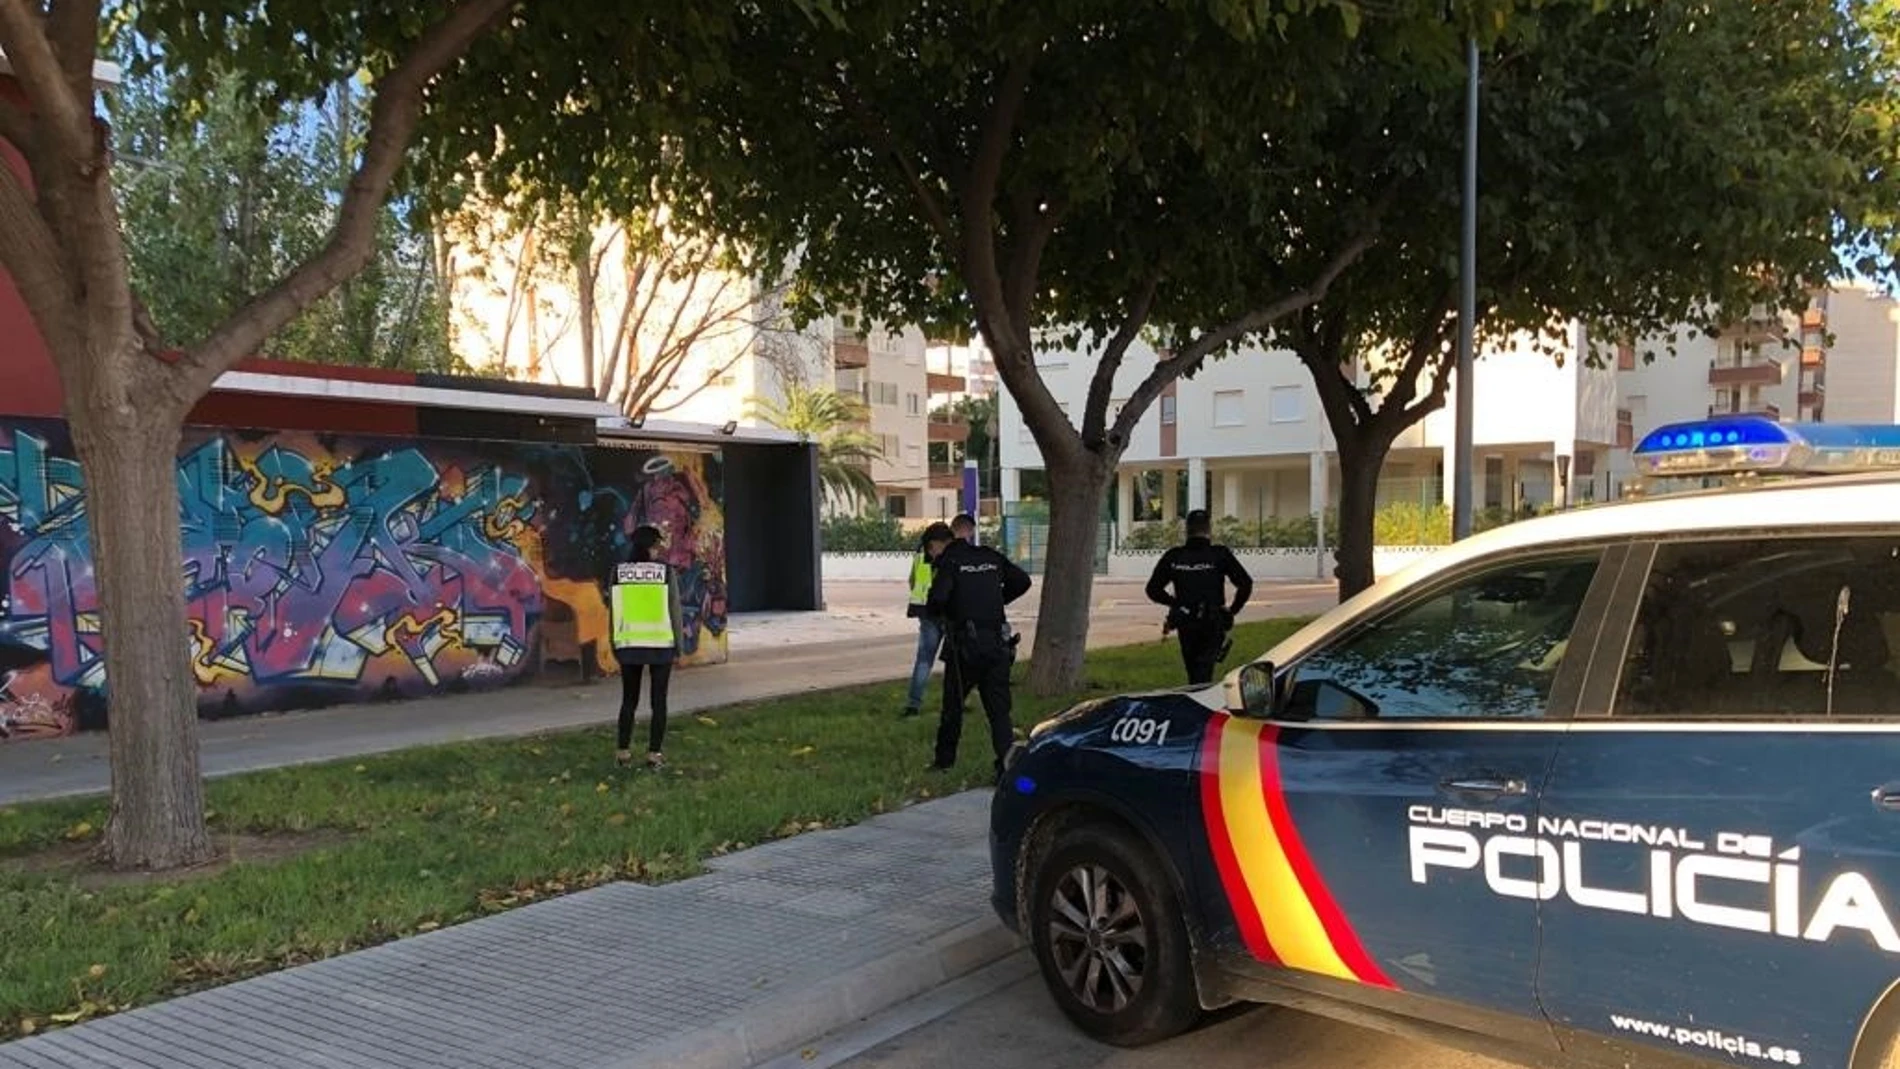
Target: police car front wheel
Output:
{"points": [[1107, 931]]}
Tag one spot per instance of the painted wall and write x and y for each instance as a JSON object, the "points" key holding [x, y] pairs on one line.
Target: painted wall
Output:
{"points": [[323, 569]]}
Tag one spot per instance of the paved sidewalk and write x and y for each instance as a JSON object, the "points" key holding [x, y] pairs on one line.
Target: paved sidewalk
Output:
{"points": [[861, 640], [776, 946]]}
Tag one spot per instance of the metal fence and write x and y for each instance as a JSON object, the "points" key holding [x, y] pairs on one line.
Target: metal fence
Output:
{"points": [[1025, 540]]}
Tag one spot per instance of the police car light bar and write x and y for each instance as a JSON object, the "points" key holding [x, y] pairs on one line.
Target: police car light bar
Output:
{"points": [[1755, 445]]}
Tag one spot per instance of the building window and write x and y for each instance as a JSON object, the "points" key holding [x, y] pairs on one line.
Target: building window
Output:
{"points": [[914, 455], [894, 505], [727, 380], [1230, 408], [883, 393], [1625, 357], [1286, 404], [913, 404], [1167, 411]]}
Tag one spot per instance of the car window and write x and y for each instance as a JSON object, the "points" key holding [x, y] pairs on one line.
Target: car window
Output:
{"points": [[1767, 628], [1489, 645]]}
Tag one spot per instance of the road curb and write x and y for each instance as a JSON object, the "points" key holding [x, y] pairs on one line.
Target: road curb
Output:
{"points": [[768, 1028]]}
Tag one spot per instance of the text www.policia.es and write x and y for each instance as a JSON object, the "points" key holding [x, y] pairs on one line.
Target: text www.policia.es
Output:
{"points": [[1708, 1039]]}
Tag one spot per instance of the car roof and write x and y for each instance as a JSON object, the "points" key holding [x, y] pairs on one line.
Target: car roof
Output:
{"points": [[1832, 500]]}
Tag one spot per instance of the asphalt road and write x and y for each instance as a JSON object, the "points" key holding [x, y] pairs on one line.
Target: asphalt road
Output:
{"points": [[1018, 1027]]}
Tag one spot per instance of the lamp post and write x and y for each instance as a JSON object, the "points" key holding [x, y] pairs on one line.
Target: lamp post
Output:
{"points": [[1467, 304]]}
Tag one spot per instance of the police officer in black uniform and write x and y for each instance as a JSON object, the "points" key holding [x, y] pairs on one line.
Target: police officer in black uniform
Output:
{"points": [[972, 585], [1198, 609]]}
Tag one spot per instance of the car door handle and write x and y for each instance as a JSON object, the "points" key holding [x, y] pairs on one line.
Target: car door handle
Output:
{"points": [[1887, 797], [1491, 785]]}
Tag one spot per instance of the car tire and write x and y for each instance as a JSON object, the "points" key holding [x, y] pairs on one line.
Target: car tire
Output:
{"points": [[1106, 926]]}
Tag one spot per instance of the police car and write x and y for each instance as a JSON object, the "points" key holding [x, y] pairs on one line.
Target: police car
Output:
{"points": [[1618, 786]]}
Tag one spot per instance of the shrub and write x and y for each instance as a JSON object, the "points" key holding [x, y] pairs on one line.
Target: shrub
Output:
{"points": [[870, 533]]}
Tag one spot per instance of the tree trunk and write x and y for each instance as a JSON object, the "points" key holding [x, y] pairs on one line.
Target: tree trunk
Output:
{"points": [[1077, 490], [584, 284], [129, 457], [1359, 468]]}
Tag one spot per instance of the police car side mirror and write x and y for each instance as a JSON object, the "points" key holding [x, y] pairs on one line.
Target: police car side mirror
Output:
{"points": [[1254, 692]]}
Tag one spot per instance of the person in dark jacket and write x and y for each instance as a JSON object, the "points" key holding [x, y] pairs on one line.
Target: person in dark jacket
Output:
{"points": [[972, 585], [923, 571], [644, 603], [1199, 572]]}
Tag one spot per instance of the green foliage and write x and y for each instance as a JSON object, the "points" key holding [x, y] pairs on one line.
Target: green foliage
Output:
{"points": [[836, 422], [220, 198], [439, 835], [872, 532]]}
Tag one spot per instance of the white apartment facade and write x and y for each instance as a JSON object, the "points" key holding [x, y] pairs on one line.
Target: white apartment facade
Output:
{"points": [[517, 312], [1249, 438]]}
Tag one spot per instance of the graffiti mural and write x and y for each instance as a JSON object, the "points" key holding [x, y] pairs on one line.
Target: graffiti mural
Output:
{"points": [[321, 569]]}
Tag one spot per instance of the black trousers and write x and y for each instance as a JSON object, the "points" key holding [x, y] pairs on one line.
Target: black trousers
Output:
{"points": [[630, 703], [981, 665], [1200, 650]]}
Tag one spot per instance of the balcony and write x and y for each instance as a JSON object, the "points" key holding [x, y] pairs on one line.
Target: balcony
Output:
{"points": [[851, 350], [1767, 411], [1765, 373], [1812, 396], [1814, 318], [944, 382], [948, 427], [1813, 356], [946, 475]]}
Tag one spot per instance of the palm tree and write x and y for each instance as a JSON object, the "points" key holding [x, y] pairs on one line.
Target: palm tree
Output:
{"points": [[835, 423]]}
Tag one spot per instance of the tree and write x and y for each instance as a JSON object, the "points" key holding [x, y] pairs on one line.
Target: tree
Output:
{"points": [[127, 389], [654, 315], [1635, 178], [835, 423], [1064, 170], [219, 196]]}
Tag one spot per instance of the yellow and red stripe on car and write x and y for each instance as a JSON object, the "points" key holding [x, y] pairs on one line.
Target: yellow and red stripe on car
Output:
{"points": [[1286, 915]]}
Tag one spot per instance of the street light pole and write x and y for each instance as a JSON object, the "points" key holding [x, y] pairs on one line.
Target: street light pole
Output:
{"points": [[1467, 305]]}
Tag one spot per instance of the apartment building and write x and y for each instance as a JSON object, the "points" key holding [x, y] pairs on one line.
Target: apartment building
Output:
{"points": [[1246, 436], [692, 346], [910, 386]]}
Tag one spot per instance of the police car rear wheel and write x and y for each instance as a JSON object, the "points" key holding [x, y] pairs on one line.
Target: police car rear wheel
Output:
{"points": [[1106, 926]]}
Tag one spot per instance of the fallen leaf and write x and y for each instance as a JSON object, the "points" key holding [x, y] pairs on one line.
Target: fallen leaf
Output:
{"points": [[64, 1018], [96, 971], [28, 1026], [567, 809], [600, 788], [536, 750], [804, 751], [708, 721], [617, 819], [808, 1054], [427, 926], [362, 768]]}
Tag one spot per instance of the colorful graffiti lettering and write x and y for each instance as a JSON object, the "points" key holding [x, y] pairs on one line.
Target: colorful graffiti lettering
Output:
{"points": [[320, 570]]}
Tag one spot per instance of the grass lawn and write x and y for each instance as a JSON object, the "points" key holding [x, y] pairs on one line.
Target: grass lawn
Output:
{"points": [[330, 858]]}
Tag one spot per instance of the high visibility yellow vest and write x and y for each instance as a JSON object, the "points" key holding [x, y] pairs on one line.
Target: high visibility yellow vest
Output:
{"points": [[920, 577], [642, 612]]}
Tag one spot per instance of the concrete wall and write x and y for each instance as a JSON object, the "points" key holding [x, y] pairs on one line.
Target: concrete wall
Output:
{"points": [[1291, 564], [323, 569]]}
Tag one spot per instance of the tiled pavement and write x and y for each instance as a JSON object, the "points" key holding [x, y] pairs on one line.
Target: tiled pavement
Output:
{"points": [[777, 945]]}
